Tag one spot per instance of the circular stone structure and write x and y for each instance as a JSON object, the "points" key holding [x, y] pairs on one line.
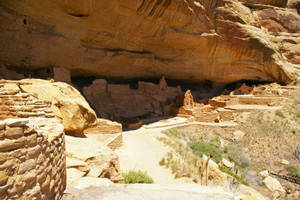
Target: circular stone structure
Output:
{"points": [[32, 149]]}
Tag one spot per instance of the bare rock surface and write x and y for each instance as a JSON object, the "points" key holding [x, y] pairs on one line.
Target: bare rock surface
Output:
{"points": [[192, 41], [156, 192], [66, 102], [104, 126], [273, 184], [91, 158]]}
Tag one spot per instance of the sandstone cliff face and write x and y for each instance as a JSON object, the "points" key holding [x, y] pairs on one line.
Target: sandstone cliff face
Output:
{"points": [[192, 41]]}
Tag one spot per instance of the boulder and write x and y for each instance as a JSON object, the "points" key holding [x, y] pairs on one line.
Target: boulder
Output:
{"points": [[66, 102], [273, 184]]}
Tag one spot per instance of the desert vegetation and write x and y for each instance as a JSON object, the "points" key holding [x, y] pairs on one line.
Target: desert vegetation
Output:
{"points": [[132, 177]]}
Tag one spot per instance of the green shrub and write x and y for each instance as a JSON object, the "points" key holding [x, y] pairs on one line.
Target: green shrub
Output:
{"points": [[298, 115], [293, 171], [162, 162], [200, 148], [279, 113], [215, 141], [132, 177], [237, 177]]}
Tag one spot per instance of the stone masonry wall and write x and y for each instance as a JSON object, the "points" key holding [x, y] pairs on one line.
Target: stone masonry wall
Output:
{"points": [[32, 149]]}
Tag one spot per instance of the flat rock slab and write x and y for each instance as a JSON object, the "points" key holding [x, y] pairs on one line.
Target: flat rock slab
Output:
{"points": [[148, 192]]}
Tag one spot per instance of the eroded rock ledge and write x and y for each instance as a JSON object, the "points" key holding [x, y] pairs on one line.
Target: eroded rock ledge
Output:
{"points": [[191, 41]]}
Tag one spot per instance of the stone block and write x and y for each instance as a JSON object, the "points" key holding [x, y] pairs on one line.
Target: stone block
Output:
{"points": [[14, 133], [3, 178], [8, 145], [2, 125], [30, 179], [26, 166], [16, 122]]}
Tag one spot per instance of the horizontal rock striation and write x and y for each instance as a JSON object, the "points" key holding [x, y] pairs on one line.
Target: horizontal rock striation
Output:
{"points": [[186, 40]]}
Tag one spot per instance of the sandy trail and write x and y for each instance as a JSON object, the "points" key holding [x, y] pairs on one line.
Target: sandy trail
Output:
{"points": [[142, 151]]}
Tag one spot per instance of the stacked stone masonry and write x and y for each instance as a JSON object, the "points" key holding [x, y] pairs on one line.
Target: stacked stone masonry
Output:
{"points": [[16, 104], [32, 148]]}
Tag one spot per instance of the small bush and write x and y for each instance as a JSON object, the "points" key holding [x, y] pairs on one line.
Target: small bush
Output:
{"points": [[162, 162], [200, 148], [215, 141], [132, 177], [294, 131], [294, 172], [279, 113], [298, 115]]}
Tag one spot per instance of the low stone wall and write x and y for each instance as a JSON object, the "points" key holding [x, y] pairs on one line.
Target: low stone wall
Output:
{"points": [[32, 159]]}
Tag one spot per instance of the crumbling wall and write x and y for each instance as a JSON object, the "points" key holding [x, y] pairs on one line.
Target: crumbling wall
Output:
{"points": [[122, 103]]}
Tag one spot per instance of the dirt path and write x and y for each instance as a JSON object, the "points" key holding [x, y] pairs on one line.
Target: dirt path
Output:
{"points": [[142, 151]]}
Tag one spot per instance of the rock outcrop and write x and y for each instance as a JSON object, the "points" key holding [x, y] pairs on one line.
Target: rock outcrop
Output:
{"points": [[91, 158], [32, 147], [66, 102], [192, 41], [104, 126]]}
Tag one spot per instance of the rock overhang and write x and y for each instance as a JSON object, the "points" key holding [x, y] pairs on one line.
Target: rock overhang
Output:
{"points": [[182, 40]]}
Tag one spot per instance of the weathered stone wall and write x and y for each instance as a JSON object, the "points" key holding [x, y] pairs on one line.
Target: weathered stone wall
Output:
{"points": [[32, 148], [121, 103], [32, 163]]}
